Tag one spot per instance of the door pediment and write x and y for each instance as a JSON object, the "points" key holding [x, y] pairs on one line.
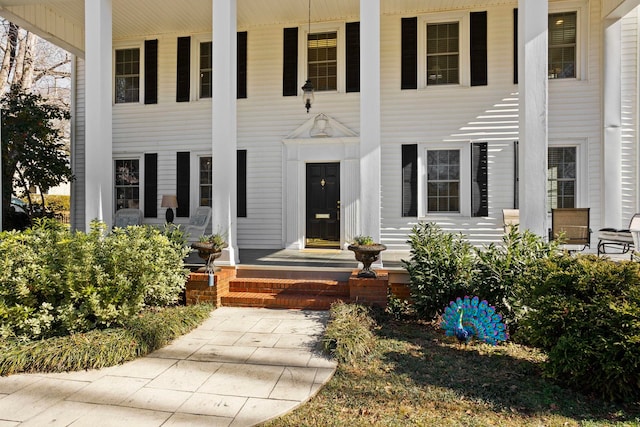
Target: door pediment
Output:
{"points": [[322, 126]]}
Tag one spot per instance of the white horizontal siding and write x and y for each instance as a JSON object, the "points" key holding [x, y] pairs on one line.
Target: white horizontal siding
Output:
{"points": [[431, 115]]}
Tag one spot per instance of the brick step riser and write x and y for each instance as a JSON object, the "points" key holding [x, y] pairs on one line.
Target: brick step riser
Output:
{"points": [[341, 291], [290, 293], [282, 303], [302, 275], [338, 289]]}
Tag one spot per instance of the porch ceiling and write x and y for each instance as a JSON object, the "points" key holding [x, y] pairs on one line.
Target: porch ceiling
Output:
{"points": [[140, 17]]}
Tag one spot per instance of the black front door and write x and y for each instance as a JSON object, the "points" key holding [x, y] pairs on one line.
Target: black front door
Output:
{"points": [[323, 205]]}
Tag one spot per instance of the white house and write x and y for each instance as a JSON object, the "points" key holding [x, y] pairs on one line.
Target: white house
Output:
{"points": [[424, 110]]}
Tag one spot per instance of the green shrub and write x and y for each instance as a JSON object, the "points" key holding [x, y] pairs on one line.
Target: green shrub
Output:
{"points": [[440, 268], [349, 333], [57, 203], [55, 282], [586, 314], [101, 348], [503, 273]]}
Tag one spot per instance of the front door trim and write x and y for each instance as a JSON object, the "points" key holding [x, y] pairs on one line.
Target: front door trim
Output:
{"points": [[297, 153]]}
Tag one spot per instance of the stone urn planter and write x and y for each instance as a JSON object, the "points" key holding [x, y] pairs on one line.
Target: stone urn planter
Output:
{"points": [[367, 253], [209, 252]]}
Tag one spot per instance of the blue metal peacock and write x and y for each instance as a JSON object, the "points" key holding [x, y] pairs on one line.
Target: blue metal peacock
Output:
{"points": [[469, 317]]}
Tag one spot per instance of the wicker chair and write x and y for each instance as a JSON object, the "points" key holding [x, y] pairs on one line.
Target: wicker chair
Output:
{"points": [[571, 225], [127, 216], [198, 223]]}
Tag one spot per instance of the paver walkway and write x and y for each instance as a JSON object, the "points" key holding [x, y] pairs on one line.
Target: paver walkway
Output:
{"points": [[240, 367]]}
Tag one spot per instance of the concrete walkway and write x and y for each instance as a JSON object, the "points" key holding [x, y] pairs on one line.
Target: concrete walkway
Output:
{"points": [[241, 367]]}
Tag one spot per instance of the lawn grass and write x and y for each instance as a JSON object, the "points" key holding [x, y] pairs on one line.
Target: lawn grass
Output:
{"points": [[96, 349], [416, 376]]}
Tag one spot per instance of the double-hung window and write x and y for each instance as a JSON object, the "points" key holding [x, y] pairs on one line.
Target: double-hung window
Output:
{"points": [[561, 177], [205, 181], [443, 181], [443, 53], [206, 69], [322, 59], [563, 31], [127, 75], [127, 183]]}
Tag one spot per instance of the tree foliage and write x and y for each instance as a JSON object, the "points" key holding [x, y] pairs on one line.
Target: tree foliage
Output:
{"points": [[33, 146]]}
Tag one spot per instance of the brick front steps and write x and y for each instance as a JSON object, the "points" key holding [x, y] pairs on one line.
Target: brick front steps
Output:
{"points": [[287, 289], [311, 294]]}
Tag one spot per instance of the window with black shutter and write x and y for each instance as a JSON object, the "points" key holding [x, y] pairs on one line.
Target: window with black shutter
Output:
{"points": [[352, 48], [290, 62], [151, 72], [183, 165], [479, 179], [410, 180], [409, 53], [151, 185], [478, 52], [242, 183], [242, 65], [183, 71]]}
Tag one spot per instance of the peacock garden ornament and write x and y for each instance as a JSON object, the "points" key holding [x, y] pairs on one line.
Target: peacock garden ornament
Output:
{"points": [[468, 317]]}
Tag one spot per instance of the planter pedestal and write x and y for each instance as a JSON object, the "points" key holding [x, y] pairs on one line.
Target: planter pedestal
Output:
{"points": [[371, 292], [209, 253], [367, 255]]}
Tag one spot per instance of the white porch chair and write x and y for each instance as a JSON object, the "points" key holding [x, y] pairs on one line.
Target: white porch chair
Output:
{"points": [[634, 228], [127, 216], [198, 223]]}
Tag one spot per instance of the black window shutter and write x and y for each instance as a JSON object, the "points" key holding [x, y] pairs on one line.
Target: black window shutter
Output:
{"points": [[479, 179], [478, 30], [151, 72], [242, 65], [242, 183], [290, 62], [183, 72], [151, 185], [410, 180], [352, 50], [516, 181], [183, 163], [515, 46], [409, 52]]}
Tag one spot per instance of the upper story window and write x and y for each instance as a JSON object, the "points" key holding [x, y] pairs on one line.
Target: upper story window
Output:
{"points": [[322, 56], [443, 64], [205, 182], [563, 31], [127, 75], [206, 69]]}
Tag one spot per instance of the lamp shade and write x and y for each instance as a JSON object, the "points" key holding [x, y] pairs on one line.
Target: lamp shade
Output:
{"points": [[169, 201]]}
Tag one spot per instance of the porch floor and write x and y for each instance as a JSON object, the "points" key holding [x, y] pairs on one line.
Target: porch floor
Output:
{"points": [[306, 258]]}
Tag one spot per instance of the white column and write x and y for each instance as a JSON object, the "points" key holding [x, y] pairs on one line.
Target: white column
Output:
{"points": [[370, 222], [224, 125], [532, 87], [98, 127], [612, 109]]}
